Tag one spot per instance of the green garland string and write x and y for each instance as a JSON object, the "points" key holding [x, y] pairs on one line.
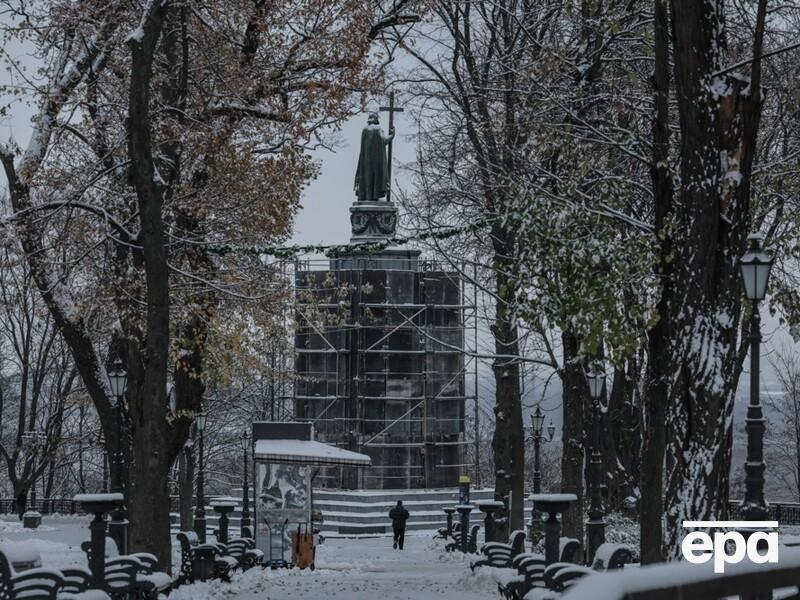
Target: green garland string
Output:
{"points": [[338, 250]]}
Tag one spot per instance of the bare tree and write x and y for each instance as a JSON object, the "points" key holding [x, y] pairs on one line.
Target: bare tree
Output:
{"points": [[783, 433]]}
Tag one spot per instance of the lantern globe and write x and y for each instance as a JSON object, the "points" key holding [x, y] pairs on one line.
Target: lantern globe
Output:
{"points": [[117, 378], [200, 420], [596, 380], [537, 420], [551, 431], [755, 267], [245, 440]]}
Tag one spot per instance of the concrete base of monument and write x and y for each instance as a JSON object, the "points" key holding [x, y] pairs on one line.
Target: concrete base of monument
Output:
{"points": [[365, 512]]}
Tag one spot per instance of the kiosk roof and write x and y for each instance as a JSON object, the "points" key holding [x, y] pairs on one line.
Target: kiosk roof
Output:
{"points": [[306, 452]]}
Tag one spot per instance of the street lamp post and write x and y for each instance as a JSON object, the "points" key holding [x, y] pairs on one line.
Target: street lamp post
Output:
{"points": [[245, 520], [755, 266], [32, 438], [595, 525], [200, 510], [105, 468], [537, 426], [118, 527]]}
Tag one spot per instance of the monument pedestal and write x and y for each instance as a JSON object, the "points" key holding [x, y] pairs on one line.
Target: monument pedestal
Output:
{"points": [[372, 221]]}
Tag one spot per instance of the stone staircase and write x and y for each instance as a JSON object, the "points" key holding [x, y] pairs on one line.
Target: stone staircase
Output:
{"points": [[355, 513]]}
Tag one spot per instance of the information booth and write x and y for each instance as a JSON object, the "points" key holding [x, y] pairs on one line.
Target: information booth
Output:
{"points": [[286, 458]]}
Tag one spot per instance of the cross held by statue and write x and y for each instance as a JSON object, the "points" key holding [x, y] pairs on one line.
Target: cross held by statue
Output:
{"points": [[391, 109]]}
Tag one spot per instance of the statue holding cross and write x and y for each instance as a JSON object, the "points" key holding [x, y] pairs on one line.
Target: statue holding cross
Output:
{"points": [[374, 171]]}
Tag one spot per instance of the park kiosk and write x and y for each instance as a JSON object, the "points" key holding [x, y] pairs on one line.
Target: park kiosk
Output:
{"points": [[286, 457]]}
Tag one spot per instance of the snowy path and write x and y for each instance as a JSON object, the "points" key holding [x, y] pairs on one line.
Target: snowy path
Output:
{"points": [[347, 569], [366, 569]]}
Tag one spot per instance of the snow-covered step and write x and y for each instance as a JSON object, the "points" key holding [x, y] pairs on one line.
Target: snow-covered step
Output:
{"points": [[366, 512]]}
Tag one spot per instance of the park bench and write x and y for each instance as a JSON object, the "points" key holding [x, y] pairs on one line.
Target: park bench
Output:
{"points": [[77, 585], [472, 541], [530, 574], [190, 545], [499, 554], [38, 583], [441, 533], [244, 551], [44, 584], [161, 582], [530, 569], [131, 575], [561, 576]]}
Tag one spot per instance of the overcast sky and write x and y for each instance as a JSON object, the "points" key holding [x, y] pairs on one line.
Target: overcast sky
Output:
{"points": [[325, 215]]}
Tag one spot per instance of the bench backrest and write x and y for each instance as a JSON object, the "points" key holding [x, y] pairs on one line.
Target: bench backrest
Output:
{"points": [[521, 561], [517, 542], [121, 572], [37, 583], [566, 577], [34, 583], [188, 540], [237, 547], [76, 580], [568, 548], [611, 556]]}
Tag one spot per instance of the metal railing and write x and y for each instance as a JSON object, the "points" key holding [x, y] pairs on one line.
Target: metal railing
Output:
{"points": [[64, 506], [785, 513]]}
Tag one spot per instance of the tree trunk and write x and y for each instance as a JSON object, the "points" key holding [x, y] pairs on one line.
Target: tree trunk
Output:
{"points": [[186, 487], [574, 397], [659, 363], [149, 494], [20, 499], [507, 443], [620, 436], [719, 115]]}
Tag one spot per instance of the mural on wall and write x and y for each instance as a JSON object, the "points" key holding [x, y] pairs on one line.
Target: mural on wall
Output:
{"points": [[283, 501]]}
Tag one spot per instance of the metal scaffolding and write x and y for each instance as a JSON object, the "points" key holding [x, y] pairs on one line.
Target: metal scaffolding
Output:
{"points": [[381, 366]]}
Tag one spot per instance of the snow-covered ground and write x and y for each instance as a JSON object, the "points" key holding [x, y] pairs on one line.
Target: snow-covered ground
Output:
{"points": [[347, 569]]}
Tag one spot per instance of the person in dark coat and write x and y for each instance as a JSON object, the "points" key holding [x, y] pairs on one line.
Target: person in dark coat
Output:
{"points": [[399, 516]]}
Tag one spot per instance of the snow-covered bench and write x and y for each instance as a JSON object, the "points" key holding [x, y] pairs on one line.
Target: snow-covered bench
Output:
{"points": [[44, 584], [190, 545], [499, 554], [472, 541], [77, 585], [611, 556], [530, 574], [131, 575], [568, 550], [244, 551], [561, 576]]}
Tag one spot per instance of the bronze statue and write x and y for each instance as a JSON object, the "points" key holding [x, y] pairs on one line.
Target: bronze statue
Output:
{"points": [[372, 173]]}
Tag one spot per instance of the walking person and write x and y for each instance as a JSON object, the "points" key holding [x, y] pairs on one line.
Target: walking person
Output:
{"points": [[399, 515]]}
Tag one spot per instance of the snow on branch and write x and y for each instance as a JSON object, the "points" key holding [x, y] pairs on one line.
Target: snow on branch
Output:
{"points": [[69, 75]]}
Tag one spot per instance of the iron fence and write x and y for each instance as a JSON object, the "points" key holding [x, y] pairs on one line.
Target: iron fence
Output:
{"points": [[785, 513], [64, 506]]}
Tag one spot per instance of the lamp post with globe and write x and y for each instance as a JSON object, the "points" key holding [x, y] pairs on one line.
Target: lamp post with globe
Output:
{"points": [[118, 526], [595, 525], [200, 510], [755, 266]]}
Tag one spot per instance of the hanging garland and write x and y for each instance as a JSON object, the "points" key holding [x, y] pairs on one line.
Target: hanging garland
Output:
{"points": [[335, 251]]}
